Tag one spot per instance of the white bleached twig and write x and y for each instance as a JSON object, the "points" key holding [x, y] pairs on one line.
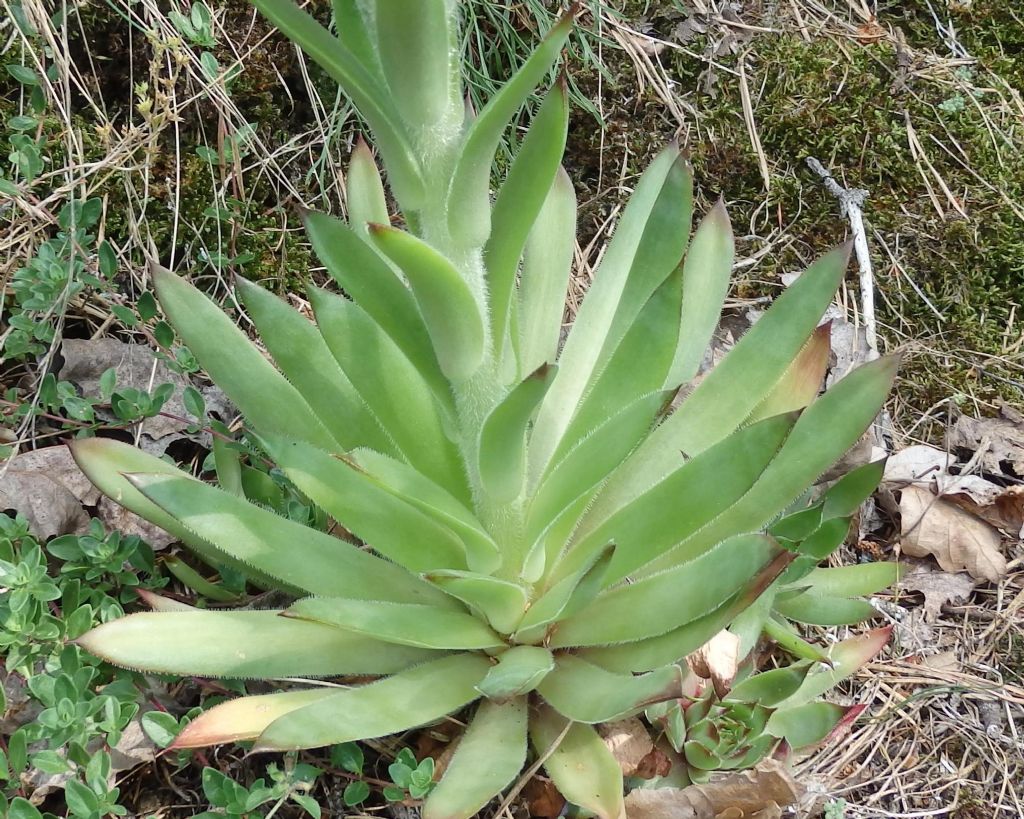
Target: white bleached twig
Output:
{"points": [[851, 202]]}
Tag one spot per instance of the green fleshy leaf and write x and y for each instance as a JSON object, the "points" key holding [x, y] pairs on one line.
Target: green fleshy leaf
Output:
{"points": [[400, 623], [544, 277], [402, 402], [770, 687], [822, 434], [406, 483], [413, 44], [581, 766], [468, 203], [706, 272], [590, 334], [608, 696], [386, 522], [241, 644], [711, 483], [501, 602], [502, 447], [520, 201], [106, 462], [263, 395], [845, 658], [820, 610], [565, 597], [802, 382], [371, 282], [488, 757], [805, 725], [449, 308], [299, 350], [518, 671], [731, 391], [654, 605], [299, 556], [417, 696], [364, 190]]}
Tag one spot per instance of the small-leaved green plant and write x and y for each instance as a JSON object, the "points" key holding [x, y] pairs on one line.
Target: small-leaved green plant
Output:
{"points": [[544, 529]]}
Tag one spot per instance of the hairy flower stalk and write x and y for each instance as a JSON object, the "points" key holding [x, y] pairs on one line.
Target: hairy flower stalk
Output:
{"points": [[538, 530]]}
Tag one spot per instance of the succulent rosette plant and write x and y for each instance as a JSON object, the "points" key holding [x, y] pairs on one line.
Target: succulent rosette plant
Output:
{"points": [[543, 529]]}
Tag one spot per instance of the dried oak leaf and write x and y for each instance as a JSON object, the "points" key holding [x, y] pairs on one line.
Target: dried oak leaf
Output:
{"points": [[759, 793], [938, 589], [543, 798], [717, 660], [1002, 507], [629, 741], [1002, 441], [48, 489], [956, 539]]}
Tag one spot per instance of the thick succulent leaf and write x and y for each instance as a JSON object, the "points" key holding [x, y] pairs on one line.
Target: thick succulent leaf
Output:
{"points": [[581, 766], [413, 43], [263, 395], [364, 189], [501, 602], [301, 557], [414, 697], [227, 461], [406, 624], [659, 603], [672, 646], [567, 595], [801, 383], [706, 272], [807, 724], [449, 308], [846, 657], [488, 757], [520, 200], [696, 493], [158, 602], [850, 581], [846, 495], [583, 469], [824, 431], [402, 402], [371, 282], [244, 718], [731, 391], [633, 244], [584, 692], [405, 482], [356, 35], [544, 278], [502, 446], [368, 94], [106, 462], [825, 539], [468, 203], [303, 357], [518, 671], [821, 610], [770, 687], [390, 526], [785, 634], [639, 365], [241, 644]]}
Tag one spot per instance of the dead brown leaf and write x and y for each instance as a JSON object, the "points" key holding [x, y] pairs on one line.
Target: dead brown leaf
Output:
{"points": [[957, 540], [47, 488], [629, 741], [760, 793], [717, 661], [543, 798], [1000, 439], [1003, 508], [938, 589]]}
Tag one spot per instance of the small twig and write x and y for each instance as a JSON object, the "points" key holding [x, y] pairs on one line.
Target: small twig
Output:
{"points": [[851, 200]]}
